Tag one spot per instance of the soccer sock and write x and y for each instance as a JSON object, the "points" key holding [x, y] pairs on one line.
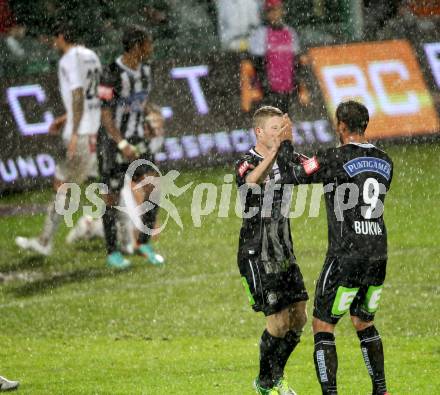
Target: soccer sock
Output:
{"points": [[326, 362], [149, 220], [110, 230], [372, 351], [51, 222], [269, 345], [286, 346]]}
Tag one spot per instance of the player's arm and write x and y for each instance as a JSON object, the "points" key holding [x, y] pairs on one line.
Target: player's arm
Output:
{"points": [[297, 169], [77, 111], [109, 124], [257, 175], [154, 121], [57, 124], [108, 94], [77, 108], [260, 172], [71, 70]]}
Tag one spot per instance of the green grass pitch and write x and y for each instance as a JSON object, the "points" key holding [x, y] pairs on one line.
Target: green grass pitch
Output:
{"points": [[70, 326]]}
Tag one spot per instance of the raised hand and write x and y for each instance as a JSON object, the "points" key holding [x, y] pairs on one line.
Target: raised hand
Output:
{"points": [[286, 129]]}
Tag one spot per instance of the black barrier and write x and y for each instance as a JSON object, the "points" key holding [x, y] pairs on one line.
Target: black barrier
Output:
{"points": [[208, 105]]}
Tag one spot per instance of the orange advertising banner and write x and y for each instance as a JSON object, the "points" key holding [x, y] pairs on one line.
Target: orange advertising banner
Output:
{"points": [[386, 77]]}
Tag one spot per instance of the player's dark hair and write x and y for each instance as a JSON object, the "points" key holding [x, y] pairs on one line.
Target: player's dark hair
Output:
{"points": [[265, 112], [354, 115], [135, 35], [67, 29]]}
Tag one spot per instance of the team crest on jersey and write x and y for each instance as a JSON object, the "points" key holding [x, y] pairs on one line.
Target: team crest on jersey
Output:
{"points": [[368, 164]]}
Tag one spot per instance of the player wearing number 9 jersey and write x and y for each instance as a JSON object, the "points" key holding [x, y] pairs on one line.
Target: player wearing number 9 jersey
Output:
{"points": [[79, 72], [356, 178]]}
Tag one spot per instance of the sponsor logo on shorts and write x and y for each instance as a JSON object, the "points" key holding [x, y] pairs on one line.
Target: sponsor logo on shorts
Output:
{"points": [[272, 298], [343, 299], [372, 298]]}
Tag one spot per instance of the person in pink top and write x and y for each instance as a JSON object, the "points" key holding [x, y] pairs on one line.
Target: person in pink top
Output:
{"points": [[274, 48]]}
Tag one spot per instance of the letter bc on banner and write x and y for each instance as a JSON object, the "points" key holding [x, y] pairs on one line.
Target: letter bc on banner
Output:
{"points": [[386, 77]]}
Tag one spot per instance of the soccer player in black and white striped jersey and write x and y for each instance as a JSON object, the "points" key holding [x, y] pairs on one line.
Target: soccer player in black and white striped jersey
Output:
{"points": [[270, 274], [124, 91]]}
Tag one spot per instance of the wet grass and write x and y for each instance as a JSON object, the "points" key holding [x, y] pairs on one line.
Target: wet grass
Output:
{"points": [[70, 326]]}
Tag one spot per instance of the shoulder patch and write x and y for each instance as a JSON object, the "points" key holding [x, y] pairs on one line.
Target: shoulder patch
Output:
{"points": [[105, 92], [368, 164], [244, 167], [310, 165]]}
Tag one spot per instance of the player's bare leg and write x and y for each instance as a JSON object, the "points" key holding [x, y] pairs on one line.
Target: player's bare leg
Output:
{"points": [[149, 219], [139, 197], [53, 219], [372, 352], [74, 170], [43, 244]]}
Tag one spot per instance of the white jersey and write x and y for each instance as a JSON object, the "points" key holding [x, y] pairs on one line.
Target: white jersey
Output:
{"points": [[80, 67]]}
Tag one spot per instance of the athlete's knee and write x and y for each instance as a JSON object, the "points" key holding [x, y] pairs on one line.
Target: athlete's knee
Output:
{"points": [[56, 184], [297, 316], [322, 326], [359, 324], [110, 199], [278, 324]]}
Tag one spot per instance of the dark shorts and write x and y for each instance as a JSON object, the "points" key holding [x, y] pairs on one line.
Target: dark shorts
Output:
{"points": [[112, 172], [268, 291], [348, 284]]}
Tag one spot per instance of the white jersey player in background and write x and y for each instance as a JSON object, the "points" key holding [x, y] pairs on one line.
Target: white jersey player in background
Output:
{"points": [[79, 73], [88, 227], [8, 385]]}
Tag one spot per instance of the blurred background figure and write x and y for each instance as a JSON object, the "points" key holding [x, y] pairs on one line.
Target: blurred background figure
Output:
{"points": [[13, 42], [274, 48], [125, 90], [127, 225], [78, 74], [236, 20], [157, 17], [403, 19], [7, 19], [10, 32], [8, 385]]}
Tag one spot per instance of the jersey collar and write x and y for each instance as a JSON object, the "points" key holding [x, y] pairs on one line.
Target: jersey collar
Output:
{"points": [[126, 68], [253, 152], [363, 145]]}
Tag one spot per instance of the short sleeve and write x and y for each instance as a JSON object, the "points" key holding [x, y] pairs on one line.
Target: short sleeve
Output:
{"points": [[71, 71], [107, 90], [298, 169], [242, 168]]}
